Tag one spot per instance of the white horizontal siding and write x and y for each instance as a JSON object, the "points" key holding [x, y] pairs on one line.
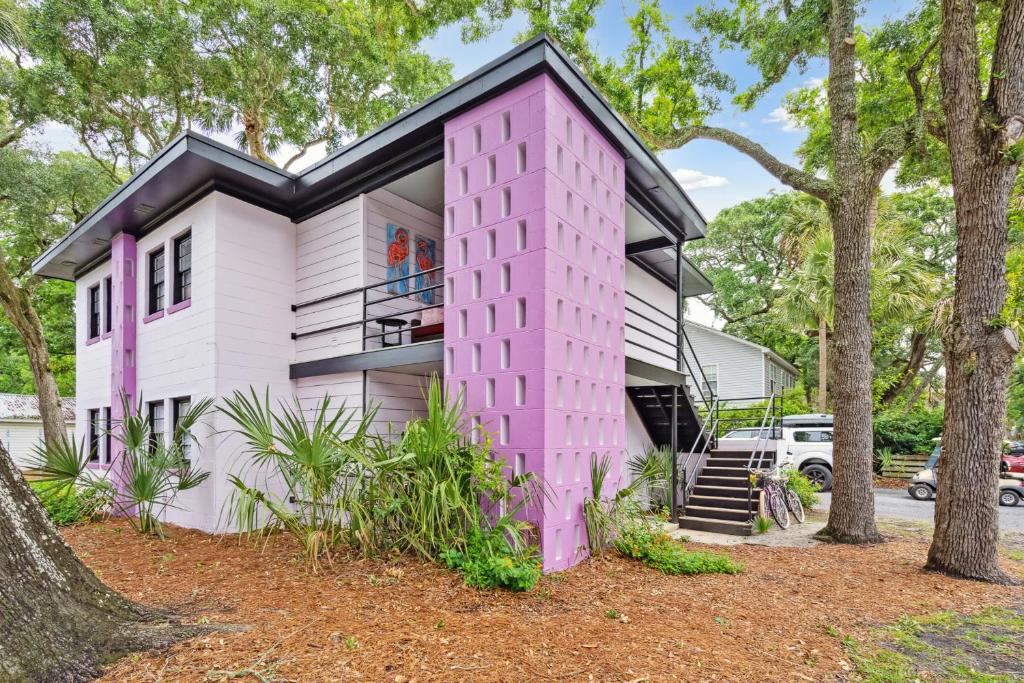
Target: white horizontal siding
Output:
{"points": [[21, 437], [328, 261], [400, 397], [652, 299], [740, 371]]}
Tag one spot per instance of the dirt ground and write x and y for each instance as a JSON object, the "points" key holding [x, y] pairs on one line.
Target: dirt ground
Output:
{"points": [[406, 621]]}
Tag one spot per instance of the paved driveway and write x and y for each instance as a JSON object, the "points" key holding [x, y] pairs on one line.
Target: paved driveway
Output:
{"points": [[896, 503]]}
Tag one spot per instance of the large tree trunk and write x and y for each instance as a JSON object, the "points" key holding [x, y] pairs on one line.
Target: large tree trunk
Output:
{"points": [[58, 622], [822, 364], [17, 306], [851, 517], [979, 348]]}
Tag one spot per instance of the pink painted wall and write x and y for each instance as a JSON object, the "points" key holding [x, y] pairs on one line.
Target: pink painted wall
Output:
{"points": [[124, 312], [534, 335]]}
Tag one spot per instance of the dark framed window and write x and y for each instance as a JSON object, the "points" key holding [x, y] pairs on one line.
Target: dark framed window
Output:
{"points": [[108, 294], [156, 280], [181, 407], [94, 435], [183, 268], [156, 422], [107, 426], [94, 311]]}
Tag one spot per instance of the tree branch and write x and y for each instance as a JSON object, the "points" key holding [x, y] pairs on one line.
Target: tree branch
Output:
{"points": [[788, 175]]}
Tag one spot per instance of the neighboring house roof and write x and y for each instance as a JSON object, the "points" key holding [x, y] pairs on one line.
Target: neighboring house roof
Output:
{"points": [[764, 349], [26, 407], [192, 166]]}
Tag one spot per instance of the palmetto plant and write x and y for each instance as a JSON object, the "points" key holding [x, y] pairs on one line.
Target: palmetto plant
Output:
{"points": [[654, 466], [144, 479], [425, 490], [300, 471], [604, 515]]}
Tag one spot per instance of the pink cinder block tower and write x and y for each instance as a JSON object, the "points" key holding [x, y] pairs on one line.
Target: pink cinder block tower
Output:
{"points": [[534, 319]]}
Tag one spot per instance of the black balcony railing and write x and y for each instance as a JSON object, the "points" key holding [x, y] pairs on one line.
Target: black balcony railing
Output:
{"points": [[391, 318]]}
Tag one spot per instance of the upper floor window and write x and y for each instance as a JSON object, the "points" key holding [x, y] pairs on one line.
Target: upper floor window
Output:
{"points": [[181, 408], [94, 311], [156, 423], [108, 294], [94, 435], [183, 268], [156, 280]]}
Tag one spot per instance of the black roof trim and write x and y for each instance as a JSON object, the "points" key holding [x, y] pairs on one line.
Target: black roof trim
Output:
{"points": [[405, 143]]}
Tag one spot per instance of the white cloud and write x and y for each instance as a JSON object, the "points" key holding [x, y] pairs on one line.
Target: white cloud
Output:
{"points": [[695, 180], [814, 82], [780, 115]]}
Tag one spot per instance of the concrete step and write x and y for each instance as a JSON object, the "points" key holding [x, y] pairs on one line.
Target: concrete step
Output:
{"points": [[717, 513], [720, 480], [719, 526], [725, 491], [716, 501], [714, 469]]}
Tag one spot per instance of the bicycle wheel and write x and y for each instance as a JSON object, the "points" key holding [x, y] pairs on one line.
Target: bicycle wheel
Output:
{"points": [[778, 508], [794, 505]]}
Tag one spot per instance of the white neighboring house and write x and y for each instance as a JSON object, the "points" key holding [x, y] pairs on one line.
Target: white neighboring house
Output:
{"points": [[736, 369], [21, 428]]}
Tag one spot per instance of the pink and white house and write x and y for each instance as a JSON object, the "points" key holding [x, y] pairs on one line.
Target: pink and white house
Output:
{"points": [[510, 233]]}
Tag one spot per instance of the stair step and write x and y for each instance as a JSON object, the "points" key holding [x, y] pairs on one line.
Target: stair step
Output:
{"points": [[720, 526], [722, 480], [713, 469], [725, 491], [720, 501], [720, 453], [717, 513], [728, 462]]}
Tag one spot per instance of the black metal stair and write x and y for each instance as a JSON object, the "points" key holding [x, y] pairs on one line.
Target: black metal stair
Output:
{"points": [[654, 405], [722, 500]]}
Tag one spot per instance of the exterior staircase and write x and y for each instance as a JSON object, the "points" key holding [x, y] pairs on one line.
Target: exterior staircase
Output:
{"points": [[721, 499], [654, 405]]}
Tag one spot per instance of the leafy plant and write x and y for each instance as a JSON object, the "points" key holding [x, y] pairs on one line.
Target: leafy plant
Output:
{"points": [[489, 561], [642, 541], [908, 432], [883, 459], [143, 479], [66, 505], [805, 489]]}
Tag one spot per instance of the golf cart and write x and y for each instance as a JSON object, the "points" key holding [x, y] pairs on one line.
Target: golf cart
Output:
{"points": [[924, 483]]}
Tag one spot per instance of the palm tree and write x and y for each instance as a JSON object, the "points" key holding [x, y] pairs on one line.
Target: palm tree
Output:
{"points": [[904, 287]]}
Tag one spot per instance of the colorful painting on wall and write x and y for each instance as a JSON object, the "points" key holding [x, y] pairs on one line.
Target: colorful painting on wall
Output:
{"points": [[426, 251], [398, 259]]}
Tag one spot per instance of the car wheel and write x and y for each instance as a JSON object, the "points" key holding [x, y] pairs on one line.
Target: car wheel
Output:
{"points": [[920, 492], [820, 475], [1008, 498]]}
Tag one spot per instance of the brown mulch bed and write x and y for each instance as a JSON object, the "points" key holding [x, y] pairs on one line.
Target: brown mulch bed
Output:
{"points": [[406, 620]]}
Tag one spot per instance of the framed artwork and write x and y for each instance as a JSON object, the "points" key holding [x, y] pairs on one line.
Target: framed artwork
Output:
{"points": [[425, 259], [398, 259]]}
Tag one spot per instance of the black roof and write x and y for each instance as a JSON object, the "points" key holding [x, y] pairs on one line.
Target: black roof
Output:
{"points": [[193, 165]]}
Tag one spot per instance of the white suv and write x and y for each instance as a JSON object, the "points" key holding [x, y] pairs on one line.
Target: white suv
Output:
{"points": [[805, 444]]}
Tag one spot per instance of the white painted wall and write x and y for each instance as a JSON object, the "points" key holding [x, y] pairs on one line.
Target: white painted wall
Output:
{"points": [[400, 397], [344, 389], [740, 371], [92, 362], [20, 438]]}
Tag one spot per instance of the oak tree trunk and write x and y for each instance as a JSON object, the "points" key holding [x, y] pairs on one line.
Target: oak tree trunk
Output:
{"points": [[17, 306], [822, 364], [58, 622], [978, 347], [918, 348], [851, 517]]}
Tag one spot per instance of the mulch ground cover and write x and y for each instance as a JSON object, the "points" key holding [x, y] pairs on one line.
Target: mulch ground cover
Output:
{"points": [[607, 619]]}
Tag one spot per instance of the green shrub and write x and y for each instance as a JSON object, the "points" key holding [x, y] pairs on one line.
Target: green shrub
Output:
{"points": [[805, 490], [905, 433], [655, 548], [65, 504], [488, 561]]}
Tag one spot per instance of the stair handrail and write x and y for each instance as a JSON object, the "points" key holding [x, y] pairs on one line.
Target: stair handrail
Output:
{"points": [[712, 411], [711, 395], [768, 424]]}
